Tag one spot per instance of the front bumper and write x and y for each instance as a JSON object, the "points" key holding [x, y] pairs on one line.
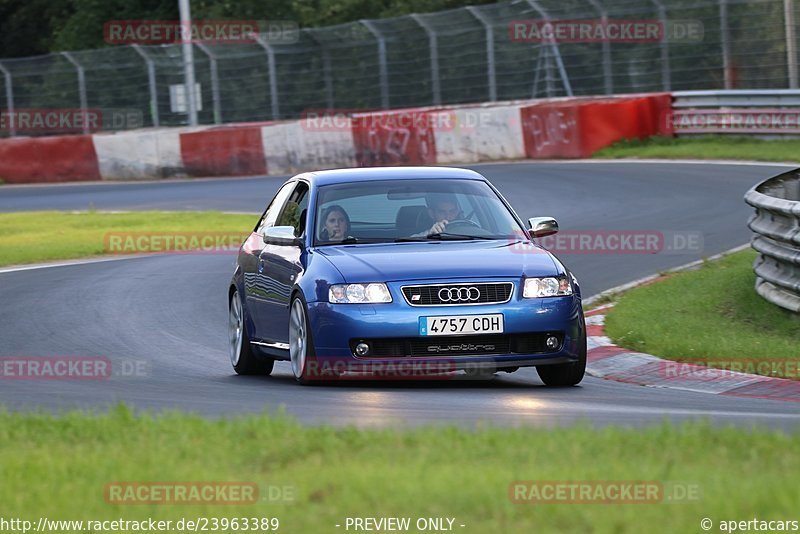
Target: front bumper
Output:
{"points": [[335, 327]]}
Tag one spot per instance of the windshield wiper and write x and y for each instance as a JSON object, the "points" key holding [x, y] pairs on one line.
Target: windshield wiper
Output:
{"points": [[448, 235], [351, 241], [409, 239], [444, 236]]}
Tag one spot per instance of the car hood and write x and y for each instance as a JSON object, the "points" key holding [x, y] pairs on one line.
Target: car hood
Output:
{"points": [[439, 259]]}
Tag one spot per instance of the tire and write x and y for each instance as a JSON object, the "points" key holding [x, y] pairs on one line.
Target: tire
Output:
{"points": [[480, 372], [301, 345], [565, 374], [243, 359]]}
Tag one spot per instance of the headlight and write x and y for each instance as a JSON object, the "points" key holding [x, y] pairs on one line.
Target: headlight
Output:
{"points": [[359, 294], [547, 287]]}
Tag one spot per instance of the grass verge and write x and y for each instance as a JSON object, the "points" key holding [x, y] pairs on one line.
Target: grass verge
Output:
{"points": [[711, 316], [705, 147], [30, 237], [58, 467]]}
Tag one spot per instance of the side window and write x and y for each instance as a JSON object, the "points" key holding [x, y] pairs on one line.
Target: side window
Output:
{"points": [[295, 212], [274, 208]]}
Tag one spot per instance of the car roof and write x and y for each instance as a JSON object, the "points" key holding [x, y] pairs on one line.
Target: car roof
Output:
{"points": [[364, 174]]}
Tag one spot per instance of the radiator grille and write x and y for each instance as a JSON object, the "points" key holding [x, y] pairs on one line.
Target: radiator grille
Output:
{"points": [[458, 294]]}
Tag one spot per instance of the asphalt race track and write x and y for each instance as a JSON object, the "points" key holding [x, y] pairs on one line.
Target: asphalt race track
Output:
{"points": [[166, 316]]}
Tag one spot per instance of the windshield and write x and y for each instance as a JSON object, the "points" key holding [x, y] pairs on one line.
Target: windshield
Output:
{"points": [[411, 210]]}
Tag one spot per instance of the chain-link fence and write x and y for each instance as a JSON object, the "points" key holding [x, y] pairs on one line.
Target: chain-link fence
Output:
{"points": [[462, 55]]}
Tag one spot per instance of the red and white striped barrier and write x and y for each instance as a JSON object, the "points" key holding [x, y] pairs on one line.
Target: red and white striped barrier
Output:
{"points": [[139, 154], [303, 146], [68, 158], [566, 127]]}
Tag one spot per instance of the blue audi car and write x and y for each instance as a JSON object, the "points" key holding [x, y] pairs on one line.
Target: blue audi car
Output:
{"points": [[406, 272]]}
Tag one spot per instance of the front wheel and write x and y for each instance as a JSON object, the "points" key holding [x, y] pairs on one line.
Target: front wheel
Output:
{"points": [[244, 361], [301, 348], [565, 374]]}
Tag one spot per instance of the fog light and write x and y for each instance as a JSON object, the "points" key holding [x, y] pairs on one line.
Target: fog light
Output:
{"points": [[362, 349], [552, 342]]}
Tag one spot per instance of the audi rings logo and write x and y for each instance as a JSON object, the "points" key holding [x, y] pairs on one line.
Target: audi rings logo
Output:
{"points": [[459, 294]]}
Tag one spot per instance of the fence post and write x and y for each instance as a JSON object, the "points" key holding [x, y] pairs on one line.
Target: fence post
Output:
{"points": [[553, 47], [273, 77], [726, 44], [791, 43], [382, 66], [666, 72], [434, 48], [608, 80], [188, 60], [490, 67], [151, 82], [212, 64], [326, 68], [81, 89], [12, 128]]}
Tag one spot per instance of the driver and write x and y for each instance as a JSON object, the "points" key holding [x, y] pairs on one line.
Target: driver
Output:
{"points": [[442, 208]]}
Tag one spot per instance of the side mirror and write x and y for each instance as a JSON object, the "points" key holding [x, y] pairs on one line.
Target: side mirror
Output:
{"points": [[281, 235], [542, 226]]}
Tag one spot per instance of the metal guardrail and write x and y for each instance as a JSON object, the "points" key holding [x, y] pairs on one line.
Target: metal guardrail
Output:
{"points": [[759, 112], [737, 98], [776, 223]]}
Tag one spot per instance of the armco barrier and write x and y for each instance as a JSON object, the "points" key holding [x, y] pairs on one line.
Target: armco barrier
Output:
{"points": [[63, 158], [766, 112], [563, 128], [776, 223]]}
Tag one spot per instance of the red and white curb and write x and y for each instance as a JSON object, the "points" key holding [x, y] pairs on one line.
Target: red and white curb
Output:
{"points": [[608, 361]]}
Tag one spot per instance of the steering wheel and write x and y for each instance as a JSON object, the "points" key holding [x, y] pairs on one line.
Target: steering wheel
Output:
{"points": [[464, 221]]}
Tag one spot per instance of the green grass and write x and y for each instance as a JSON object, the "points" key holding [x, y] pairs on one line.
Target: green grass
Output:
{"points": [[709, 315], [30, 237], [705, 147], [58, 467]]}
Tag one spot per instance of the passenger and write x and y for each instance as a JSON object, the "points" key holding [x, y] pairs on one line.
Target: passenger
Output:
{"points": [[335, 224]]}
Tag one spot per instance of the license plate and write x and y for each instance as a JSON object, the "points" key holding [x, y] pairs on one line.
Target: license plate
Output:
{"points": [[454, 325]]}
